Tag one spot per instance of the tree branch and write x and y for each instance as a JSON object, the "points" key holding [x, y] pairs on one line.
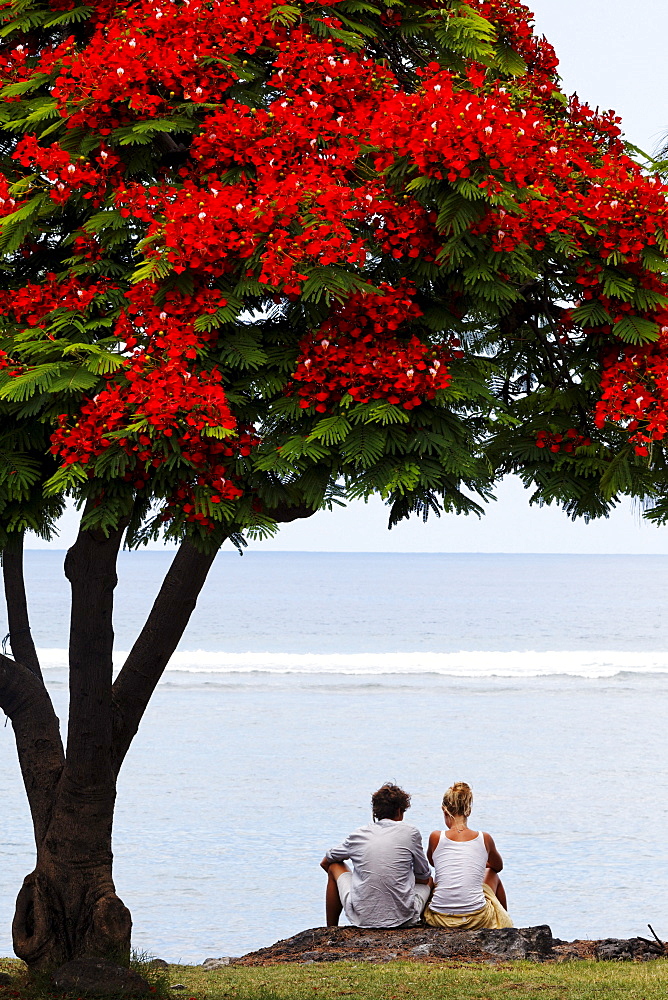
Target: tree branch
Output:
{"points": [[162, 633], [23, 647], [26, 701], [156, 642], [283, 513]]}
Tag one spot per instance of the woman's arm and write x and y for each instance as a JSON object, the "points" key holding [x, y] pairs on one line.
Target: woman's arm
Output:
{"points": [[494, 859], [433, 841]]}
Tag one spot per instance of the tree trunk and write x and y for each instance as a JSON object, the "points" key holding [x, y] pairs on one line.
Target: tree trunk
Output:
{"points": [[68, 907]]}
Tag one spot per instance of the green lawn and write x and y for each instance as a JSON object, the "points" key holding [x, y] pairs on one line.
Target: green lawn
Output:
{"points": [[407, 980]]}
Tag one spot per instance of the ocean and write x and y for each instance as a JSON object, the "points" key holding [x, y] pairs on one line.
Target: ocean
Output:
{"points": [[306, 680]]}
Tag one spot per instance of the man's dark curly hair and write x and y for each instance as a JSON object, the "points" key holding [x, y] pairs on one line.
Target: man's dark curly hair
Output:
{"points": [[388, 801]]}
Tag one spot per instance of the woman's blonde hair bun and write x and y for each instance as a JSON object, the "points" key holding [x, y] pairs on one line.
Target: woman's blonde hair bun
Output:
{"points": [[458, 799]]}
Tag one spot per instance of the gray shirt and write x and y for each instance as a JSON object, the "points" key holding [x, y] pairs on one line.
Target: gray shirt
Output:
{"points": [[387, 856]]}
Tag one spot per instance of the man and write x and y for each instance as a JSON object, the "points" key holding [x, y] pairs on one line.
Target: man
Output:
{"points": [[390, 883]]}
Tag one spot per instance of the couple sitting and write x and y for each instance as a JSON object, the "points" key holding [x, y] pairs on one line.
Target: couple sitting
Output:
{"points": [[391, 885]]}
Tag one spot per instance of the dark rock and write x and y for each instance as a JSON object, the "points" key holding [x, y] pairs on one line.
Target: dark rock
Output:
{"points": [[428, 944], [614, 950], [633, 949], [159, 963], [5, 979], [96, 977], [516, 942], [333, 944]]}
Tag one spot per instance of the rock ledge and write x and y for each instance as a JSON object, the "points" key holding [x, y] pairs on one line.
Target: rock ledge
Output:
{"points": [[536, 944]]}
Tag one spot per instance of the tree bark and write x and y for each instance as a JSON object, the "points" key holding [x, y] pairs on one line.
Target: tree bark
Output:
{"points": [[26, 701], [284, 513], [156, 642], [20, 637], [69, 909], [68, 905]]}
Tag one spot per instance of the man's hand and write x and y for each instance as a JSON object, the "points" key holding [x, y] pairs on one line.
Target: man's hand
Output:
{"points": [[325, 863], [425, 881]]}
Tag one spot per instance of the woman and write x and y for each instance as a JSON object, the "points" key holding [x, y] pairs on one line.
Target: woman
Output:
{"points": [[468, 893]]}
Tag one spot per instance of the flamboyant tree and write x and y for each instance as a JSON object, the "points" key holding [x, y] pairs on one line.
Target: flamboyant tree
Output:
{"points": [[259, 257]]}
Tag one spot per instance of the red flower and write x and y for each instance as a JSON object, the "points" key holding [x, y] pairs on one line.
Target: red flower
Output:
{"points": [[357, 352]]}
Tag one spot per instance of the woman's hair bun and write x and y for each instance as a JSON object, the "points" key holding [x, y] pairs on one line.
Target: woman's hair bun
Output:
{"points": [[458, 799]]}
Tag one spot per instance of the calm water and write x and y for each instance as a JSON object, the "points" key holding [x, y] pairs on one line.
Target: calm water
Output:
{"points": [[306, 680]]}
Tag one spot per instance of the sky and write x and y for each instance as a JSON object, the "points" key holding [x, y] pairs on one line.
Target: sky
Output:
{"points": [[612, 53]]}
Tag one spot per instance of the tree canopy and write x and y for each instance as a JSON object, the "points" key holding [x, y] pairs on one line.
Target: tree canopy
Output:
{"points": [[257, 259]]}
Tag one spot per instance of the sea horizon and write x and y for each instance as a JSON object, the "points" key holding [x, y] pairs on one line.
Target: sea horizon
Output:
{"points": [[230, 550]]}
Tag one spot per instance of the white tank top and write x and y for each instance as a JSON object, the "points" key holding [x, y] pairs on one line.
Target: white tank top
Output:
{"points": [[459, 868]]}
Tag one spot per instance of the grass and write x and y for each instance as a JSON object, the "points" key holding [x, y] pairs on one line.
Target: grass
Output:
{"points": [[416, 981]]}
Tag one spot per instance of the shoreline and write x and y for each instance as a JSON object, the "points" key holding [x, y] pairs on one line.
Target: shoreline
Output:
{"points": [[425, 944]]}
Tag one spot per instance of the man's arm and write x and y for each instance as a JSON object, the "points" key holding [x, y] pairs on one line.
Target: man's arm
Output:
{"points": [[339, 853], [420, 863], [424, 881]]}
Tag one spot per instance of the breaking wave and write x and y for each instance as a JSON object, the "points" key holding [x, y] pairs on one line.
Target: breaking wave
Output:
{"points": [[526, 663]]}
